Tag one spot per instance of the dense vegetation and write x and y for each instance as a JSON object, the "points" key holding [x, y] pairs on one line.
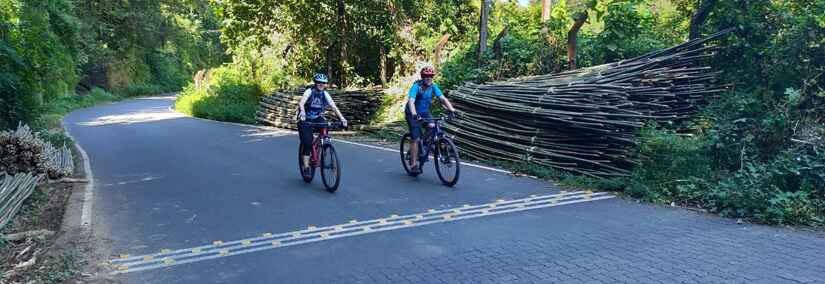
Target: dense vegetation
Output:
{"points": [[53, 50], [756, 152]]}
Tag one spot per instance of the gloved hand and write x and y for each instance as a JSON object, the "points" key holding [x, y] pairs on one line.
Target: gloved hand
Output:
{"points": [[452, 114], [418, 117], [344, 122], [302, 116]]}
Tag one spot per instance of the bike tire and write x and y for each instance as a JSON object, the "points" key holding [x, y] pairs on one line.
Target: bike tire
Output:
{"points": [[405, 154], [446, 160], [309, 174], [329, 160]]}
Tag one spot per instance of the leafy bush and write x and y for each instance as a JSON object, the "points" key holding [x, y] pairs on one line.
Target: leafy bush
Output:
{"points": [[672, 167], [789, 189], [138, 90], [227, 96]]}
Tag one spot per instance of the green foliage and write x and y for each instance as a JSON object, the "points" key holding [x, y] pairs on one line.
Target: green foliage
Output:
{"points": [[66, 104], [227, 96], [138, 90], [133, 48], [405, 31], [787, 190], [671, 166], [630, 30]]}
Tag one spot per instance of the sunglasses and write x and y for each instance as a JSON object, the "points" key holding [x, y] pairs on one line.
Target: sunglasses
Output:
{"points": [[426, 77]]}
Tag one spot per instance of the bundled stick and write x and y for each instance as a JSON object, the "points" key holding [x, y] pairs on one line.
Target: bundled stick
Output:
{"points": [[13, 191], [358, 106], [584, 121], [22, 150]]}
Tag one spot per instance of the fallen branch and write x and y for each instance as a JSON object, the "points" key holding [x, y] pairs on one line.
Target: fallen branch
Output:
{"points": [[28, 234]]}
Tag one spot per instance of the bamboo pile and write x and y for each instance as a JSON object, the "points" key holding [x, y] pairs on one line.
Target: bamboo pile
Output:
{"points": [[583, 121], [13, 191], [358, 106], [23, 151]]}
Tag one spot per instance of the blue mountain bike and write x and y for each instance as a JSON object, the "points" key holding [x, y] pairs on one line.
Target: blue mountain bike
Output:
{"points": [[442, 148]]}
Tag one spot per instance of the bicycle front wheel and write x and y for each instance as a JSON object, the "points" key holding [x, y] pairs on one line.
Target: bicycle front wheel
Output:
{"points": [[406, 142], [447, 163], [330, 168]]}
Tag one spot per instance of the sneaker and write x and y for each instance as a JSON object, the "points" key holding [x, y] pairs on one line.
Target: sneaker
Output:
{"points": [[416, 169]]}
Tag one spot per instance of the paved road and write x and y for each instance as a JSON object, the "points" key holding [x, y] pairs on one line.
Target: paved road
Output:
{"points": [[165, 181]]}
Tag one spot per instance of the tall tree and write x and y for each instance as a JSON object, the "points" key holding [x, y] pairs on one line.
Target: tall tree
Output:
{"points": [[546, 7], [579, 18], [698, 18], [572, 38], [342, 41], [483, 34]]}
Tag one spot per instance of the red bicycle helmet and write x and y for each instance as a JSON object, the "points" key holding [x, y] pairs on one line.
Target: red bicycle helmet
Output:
{"points": [[428, 71]]}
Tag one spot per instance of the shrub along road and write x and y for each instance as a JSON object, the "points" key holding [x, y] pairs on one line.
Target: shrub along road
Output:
{"points": [[197, 201]]}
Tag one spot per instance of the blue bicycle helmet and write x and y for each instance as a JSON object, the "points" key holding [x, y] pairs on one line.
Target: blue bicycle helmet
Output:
{"points": [[320, 78]]}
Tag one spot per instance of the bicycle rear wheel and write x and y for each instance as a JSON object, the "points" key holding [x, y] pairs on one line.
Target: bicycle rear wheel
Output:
{"points": [[447, 163], [330, 168], [308, 174], [406, 142]]}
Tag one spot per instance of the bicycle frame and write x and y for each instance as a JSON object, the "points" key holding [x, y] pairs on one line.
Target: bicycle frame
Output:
{"points": [[432, 135], [318, 142]]}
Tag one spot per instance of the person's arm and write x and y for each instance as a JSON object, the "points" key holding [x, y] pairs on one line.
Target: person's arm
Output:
{"points": [[335, 109], [304, 98], [411, 99], [443, 98]]}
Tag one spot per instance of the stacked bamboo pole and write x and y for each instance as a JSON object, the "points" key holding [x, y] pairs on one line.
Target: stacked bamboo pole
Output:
{"points": [[13, 191], [358, 106], [584, 121], [22, 150]]}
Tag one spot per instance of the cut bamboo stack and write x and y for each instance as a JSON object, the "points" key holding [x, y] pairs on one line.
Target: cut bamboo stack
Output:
{"points": [[13, 191], [358, 106], [584, 121], [22, 151]]}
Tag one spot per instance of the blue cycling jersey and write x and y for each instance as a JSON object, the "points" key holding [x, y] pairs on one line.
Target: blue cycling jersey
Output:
{"points": [[423, 96]]}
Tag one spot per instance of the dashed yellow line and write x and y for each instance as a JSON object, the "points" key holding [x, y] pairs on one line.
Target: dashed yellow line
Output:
{"points": [[126, 263]]}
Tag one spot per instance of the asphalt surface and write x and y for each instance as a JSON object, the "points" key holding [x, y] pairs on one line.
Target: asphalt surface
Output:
{"points": [[166, 181]]}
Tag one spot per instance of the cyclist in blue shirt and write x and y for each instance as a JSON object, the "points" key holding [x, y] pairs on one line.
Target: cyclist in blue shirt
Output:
{"points": [[418, 108], [311, 109]]}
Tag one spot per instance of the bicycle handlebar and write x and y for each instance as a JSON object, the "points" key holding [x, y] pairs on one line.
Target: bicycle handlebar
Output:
{"points": [[327, 125], [436, 119]]}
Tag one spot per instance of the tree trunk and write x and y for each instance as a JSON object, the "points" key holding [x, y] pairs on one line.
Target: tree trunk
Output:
{"points": [[698, 18], [437, 51], [342, 41], [546, 7], [382, 62], [483, 33], [330, 63], [498, 50], [572, 37]]}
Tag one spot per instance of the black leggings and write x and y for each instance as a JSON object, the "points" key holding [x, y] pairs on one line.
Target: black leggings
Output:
{"points": [[305, 133]]}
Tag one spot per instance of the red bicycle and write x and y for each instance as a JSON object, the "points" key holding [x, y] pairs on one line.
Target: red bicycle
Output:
{"points": [[322, 156]]}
